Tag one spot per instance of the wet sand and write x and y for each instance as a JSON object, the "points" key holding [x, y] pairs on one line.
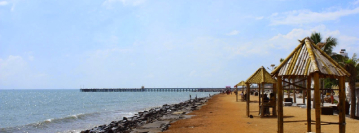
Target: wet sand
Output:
{"points": [[223, 114]]}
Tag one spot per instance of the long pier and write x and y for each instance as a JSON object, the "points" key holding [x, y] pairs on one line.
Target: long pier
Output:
{"points": [[152, 89]]}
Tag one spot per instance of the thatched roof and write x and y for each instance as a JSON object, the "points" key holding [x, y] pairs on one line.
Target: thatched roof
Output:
{"points": [[242, 83], [307, 58], [260, 76]]}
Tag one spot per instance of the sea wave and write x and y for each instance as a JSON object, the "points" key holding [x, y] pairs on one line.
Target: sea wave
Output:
{"points": [[47, 123], [65, 119]]}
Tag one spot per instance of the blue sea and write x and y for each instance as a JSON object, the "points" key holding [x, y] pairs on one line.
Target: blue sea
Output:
{"points": [[72, 111]]}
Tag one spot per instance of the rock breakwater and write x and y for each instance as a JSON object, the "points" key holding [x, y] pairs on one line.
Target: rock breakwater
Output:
{"points": [[154, 120]]}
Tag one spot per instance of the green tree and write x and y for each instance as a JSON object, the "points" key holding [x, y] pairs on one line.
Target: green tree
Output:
{"points": [[281, 60], [330, 42], [329, 82], [352, 66], [315, 36]]}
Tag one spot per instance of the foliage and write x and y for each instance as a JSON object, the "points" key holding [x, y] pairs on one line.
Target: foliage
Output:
{"points": [[352, 65], [281, 60], [338, 58], [330, 42], [316, 37], [329, 82]]}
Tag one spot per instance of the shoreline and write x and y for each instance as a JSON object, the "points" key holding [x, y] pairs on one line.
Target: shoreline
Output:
{"points": [[156, 119]]}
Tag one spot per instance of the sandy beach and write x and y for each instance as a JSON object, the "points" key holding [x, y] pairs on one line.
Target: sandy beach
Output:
{"points": [[223, 114]]}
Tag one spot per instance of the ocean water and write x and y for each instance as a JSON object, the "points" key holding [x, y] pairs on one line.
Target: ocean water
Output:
{"points": [[72, 111]]}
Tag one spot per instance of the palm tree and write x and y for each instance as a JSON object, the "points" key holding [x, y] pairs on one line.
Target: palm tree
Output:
{"points": [[352, 66], [316, 37], [330, 42]]}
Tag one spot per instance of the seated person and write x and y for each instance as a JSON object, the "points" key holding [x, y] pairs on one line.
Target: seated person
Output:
{"points": [[272, 99], [266, 103], [265, 98]]}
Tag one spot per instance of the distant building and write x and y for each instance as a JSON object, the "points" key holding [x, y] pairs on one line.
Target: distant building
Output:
{"points": [[342, 53]]}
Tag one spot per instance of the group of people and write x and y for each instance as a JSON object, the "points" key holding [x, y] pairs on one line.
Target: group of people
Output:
{"points": [[267, 102], [227, 92]]}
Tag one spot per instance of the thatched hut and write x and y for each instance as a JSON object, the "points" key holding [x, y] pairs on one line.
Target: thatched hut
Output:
{"points": [[260, 77], [308, 61]]}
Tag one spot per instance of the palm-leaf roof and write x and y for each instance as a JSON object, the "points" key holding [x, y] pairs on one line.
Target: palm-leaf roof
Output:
{"points": [[242, 83], [307, 58], [260, 76]]}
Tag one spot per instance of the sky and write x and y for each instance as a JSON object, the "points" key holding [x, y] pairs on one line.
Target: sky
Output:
{"points": [[70, 44]]}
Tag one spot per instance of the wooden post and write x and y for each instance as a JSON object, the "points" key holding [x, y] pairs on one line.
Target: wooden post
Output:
{"points": [[294, 92], [303, 92], [259, 96], [290, 87], [262, 88], [262, 107], [248, 98], [317, 102], [341, 105], [322, 87], [243, 89], [275, 104], [236, 93], [280, 104], [309, 104]]}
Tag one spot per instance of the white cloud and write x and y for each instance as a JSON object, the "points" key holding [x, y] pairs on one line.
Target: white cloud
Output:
{"points": [[356, 2], [289, 40], [3, 3], [245, 49], [294, 34], [298, 17], [16, 73], [350, 43], [11, 62], [254, 17], [110, 3], [31, 58], [259, 18], [274, 14], [192, 73], [13, 7], [104, 53], [108, 41], [234, 32]]}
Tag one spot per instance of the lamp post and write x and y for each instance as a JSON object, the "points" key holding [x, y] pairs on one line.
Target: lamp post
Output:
{"points": [[271, 69]]}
